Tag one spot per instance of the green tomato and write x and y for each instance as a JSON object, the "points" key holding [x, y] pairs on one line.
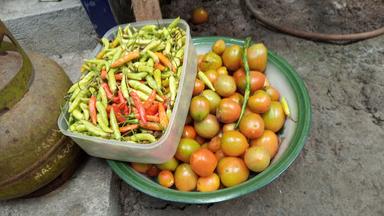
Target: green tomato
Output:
{"points": [[168, 165], [274, 118], [213, 99], [199, 108], [185, 149], [210, 61]]}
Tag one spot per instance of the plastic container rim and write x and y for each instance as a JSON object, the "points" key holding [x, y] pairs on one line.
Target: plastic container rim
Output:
{"points": [[153, 145]]}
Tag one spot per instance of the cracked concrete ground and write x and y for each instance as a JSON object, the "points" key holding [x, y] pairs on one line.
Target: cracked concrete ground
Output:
{"points": [[339, 171]]}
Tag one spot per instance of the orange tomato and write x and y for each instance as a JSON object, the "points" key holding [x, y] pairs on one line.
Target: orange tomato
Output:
{"points": [[259, 102], [171, 165], [273, 93], [228, 111], [199, 15], [237, 97], [203, 162], [222, 71], [229, 127], [211, 75], [166, 179], [219, 154], [214, 145], [185, 178], [199, 87], [140, 167], [209, 183], [200, 140], [233, 143], [218, 47], [232, 171], [269, 141], [189, 132], [257, 158], [252, 126], [153, 171], [257, 56]]}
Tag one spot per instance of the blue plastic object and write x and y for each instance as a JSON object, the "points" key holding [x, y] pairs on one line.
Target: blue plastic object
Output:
{"points": [[100, 14]]}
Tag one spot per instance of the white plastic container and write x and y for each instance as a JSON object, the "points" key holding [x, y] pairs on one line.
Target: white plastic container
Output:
{"points": [[165, 147]]}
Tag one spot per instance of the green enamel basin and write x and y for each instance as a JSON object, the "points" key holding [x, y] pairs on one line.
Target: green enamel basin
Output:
{"points": [[294, 135]]}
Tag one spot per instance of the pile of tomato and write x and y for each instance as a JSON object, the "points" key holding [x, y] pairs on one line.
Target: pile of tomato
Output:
{"points": [[213, 153]]}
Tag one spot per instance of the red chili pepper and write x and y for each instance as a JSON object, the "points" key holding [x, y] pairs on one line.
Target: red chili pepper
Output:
{"points": [[107, 91], [116, 99], [92, 109], [139, 106], [103, 74], [159, 66], [153, 109], [109, 107], [153, 118], [121, 97], [124, 108], [120, 118], [151, 126], [163, 116], [128, 128], [119, 76], [150, 99]]}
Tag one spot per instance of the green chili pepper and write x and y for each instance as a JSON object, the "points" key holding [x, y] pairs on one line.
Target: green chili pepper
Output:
{"points": [[80, 128], [112, 81], [124, 88], [103, 96], [166, 74], [101, 109], [180, 53], [151, 45], [84, 108], [157, 76], [115, 126], [247, 79], [76, 102], [145, 68], [179, 70], [117, 54], [142, 95], [137, 76], [148, 28], [93, 129], [174, 23], [152, 83], [140, 86], [132, 121], [169, 113], [205, 79], [74, 94], [150, 62], [102, 124], [153, 56], [172, 88], [143, 137], [77, 114], [167, 49], [73, 88]]}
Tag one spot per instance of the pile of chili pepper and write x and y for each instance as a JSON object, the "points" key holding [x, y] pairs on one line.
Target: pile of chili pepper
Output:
{"points": [[128, 91]]}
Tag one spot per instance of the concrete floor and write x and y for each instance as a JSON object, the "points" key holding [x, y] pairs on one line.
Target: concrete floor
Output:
{"points": [[339, 171]]}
